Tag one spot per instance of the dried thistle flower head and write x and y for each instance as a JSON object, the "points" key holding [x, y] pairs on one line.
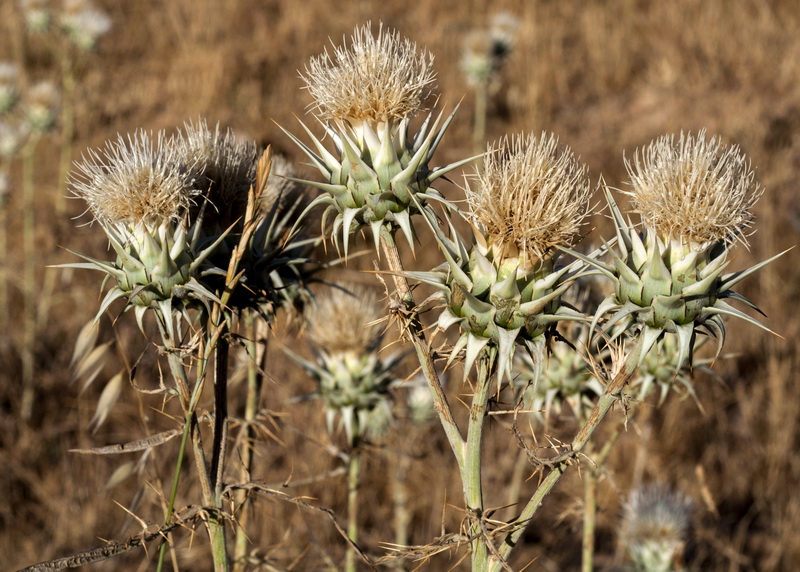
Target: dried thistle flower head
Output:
{"points": [[504, 289], [486, 50], [375, 79], [353, 379], [694, 197], [12, 136], [41, 106], [695, 190], [36, 14], [378, 174], [138, 179], [655, 528], [530, 196], [222, 166], [83, 23], [343, 320]]}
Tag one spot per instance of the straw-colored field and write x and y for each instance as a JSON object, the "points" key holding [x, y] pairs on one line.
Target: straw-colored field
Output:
{"points": [[607, 78]]}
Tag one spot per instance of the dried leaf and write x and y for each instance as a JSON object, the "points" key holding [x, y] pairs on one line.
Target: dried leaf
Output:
{"points": [[107, 400], [85, 342], [131, 447], [91, 366], [120, 474]]}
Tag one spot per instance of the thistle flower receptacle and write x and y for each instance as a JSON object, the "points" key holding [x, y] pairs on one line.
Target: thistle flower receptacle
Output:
{"points": [[694, 196], [655, 528], [367, 93], [505, 288], [354, 381]]}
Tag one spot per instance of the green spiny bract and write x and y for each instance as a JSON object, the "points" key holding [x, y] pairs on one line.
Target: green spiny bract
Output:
{"points": [[694, 198], [354, 380], [504, 289], [562, 377], [378, 174]]}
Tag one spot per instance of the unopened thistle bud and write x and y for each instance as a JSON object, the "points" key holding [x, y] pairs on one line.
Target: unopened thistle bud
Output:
{"points": [[694, 196], [367, 93], [504, 289], [353, 379], [655, 528]]}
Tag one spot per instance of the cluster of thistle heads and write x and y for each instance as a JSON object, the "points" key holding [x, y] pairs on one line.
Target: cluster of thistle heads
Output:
{"points": [[171, 205], [79, 21]]}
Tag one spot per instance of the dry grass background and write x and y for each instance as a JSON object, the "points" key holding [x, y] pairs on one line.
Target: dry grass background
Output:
{"points": [[607, 77]]}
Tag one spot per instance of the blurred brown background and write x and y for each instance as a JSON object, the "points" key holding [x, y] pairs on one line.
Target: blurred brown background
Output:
{"points": [[607, 77]]}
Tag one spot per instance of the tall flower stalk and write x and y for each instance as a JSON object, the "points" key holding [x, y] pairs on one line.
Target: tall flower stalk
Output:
{"points": [[354, 380]]}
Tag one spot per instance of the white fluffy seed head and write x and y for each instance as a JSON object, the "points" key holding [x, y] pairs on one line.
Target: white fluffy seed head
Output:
{"points": [[375, 78], [693, 189], [530, 197], [138, 179]]}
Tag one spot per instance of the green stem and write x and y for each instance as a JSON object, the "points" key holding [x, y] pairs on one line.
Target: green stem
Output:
{"points": [[29, 278], [481, 112], [417, 335], [559, 465], [471, 471], [67, 128], [589, 517], [254, 382], [175, 481], [353, 481]]}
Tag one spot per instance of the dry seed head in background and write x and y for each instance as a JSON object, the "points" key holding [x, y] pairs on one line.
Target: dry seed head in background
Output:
{"points": [[530, 197], [695, 190], [343, 320], [374, 79], [136, 180], [655, 527]]}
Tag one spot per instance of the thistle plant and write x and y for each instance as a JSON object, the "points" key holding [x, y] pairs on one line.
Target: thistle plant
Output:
{"points": [[484, 53], [655, 529], [199, 243], [354, 381], [505, 288], [367, 94]]}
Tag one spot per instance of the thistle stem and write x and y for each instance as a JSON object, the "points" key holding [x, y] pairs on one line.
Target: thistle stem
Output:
{"points": [[559, 465], [417, 335], [187, 425], [471, 469], [353, 481], [254, 382], [29, 278]]}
